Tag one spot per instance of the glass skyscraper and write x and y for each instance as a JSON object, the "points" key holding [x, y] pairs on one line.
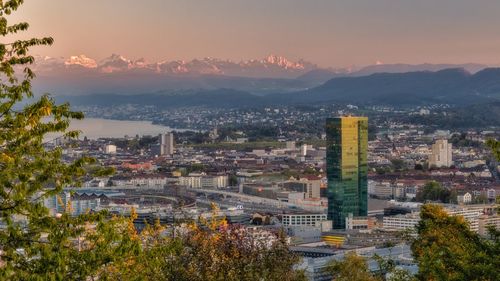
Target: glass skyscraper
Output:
{"points": [[346, 168]]}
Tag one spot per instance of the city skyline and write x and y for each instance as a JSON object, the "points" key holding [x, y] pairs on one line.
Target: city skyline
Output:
{"points": [[327, 33], [208, 140]]}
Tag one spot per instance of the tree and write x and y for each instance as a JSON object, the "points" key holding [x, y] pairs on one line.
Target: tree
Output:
{"points": [[495, 147], [433, 191], [232, 180], [34, 244], [355, 268], [37, 245], [351, 268], [446, 249], [209, 250], [397, 164], [398, 274]]}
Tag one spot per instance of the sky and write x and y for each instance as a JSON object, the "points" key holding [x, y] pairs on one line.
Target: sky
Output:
{"points": [[329, 33]]}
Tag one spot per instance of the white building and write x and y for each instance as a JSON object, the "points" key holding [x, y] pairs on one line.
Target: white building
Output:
{"points": [[441, 154], [491, 194], [303, 219], [110, 149], [488, 221], [465, 198], [401, 222], [383, 190], [166, 144], [469, 214], [143, 181], [424, 111], [190, 181], [303, 149], [214, 181], [204, 181], [63, 202]]}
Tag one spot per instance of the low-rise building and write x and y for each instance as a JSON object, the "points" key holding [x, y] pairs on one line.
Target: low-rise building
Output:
{"points": [[401, 222], [355, 223], [486, 221], [190, 181], [465, 198], [140, 180], [304, 219]]}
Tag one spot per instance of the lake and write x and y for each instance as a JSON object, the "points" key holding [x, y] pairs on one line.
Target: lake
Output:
{"points": [[94, 128]]}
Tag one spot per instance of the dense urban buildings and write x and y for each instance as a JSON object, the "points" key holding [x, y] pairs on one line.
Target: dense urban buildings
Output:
{"points": [[346, 168]]}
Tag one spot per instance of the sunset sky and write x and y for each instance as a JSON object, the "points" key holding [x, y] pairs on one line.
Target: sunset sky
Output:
{"points": [[326, 32]]}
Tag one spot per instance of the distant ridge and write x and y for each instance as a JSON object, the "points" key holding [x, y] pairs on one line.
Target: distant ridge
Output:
{"points": [[450, 86], [401, 68]]}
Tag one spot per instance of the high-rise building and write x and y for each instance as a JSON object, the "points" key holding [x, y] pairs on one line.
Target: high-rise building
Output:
{"points": [[346, 168], [110, 149], [441, 154], [166, 144]]}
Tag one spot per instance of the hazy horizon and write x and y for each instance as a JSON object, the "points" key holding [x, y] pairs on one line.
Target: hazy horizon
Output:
{"points": [[328, 33]]}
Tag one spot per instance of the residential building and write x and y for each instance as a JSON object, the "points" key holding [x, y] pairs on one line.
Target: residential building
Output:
{"points": [[140, 180], [214, 181], [491, 194], [310, 185], [65, 202], [190, 181], [486, 221], [464, 198], [383, 190], [400, 222]]}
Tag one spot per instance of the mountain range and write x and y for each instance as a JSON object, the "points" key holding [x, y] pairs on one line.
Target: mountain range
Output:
{"points": [[272, 66], [81, 75]]}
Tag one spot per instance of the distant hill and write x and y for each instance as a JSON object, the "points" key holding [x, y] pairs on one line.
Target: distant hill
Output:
{"points": [[470, 116], [320, 75], [134, 83], [452, 86], [210, 98], [402, 68]]}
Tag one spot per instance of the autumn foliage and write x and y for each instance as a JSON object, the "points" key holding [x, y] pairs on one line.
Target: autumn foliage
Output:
{"points": [[36, 245]]}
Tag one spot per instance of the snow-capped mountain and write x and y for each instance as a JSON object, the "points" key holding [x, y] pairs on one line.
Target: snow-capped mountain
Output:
{"points": [[282, 62], [81, 60], [270, 67]]}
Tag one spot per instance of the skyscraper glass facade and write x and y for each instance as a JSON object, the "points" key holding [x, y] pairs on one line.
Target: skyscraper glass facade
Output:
{"points": [[346, 167]]}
